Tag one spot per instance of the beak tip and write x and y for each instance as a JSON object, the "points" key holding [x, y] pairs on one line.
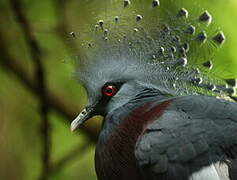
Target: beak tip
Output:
{"points": [[73, 127]]}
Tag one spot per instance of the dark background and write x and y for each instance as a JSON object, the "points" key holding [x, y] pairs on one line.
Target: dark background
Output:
{"points": [[38, 94]]}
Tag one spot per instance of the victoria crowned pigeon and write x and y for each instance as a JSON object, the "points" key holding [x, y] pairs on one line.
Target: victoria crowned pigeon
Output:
{"points": [[167, 114]]}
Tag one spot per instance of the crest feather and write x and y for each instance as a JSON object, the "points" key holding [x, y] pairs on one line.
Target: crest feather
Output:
{"points": [[173, 51]]}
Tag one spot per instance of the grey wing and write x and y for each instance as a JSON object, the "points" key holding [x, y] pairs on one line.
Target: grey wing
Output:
{"points": [[194, 139]]}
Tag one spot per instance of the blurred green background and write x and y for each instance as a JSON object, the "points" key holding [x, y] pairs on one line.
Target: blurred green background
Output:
{"points": [[36, 144]]}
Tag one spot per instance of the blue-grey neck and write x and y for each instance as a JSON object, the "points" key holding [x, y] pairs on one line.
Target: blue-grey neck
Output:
{"points": [[131, 95]]}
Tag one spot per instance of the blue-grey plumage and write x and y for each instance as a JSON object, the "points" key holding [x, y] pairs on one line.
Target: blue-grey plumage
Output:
{"points": [[194, 133], [165, 116]]}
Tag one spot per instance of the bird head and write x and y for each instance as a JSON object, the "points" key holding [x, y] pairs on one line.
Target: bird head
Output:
{"points": [[129, 55], [112, 82]]}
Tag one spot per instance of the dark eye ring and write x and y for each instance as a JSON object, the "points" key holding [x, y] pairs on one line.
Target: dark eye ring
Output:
{"points": [[109, 90]]}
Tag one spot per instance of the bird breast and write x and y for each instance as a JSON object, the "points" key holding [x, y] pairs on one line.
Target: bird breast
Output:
{"points": [[115, 151]]}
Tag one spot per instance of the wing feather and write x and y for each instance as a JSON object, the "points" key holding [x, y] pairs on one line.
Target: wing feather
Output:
{"points": [[195, 132]]}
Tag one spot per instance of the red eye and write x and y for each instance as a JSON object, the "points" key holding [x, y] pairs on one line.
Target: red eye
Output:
{"points": [[109, 90]]}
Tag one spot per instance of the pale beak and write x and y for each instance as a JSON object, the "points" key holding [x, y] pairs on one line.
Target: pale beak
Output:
{"points": [[85, 114]]}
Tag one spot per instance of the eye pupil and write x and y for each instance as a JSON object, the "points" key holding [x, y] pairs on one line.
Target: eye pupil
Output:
{"points": [[109, 90]]}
